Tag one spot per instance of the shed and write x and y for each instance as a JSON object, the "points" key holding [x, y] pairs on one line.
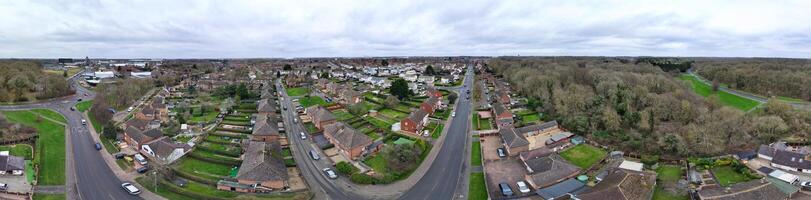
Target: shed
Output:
{"points": [[784, 176], [631, 165]]}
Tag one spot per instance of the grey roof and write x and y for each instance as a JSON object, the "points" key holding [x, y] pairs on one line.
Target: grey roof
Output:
{"points": [[9, 162], [137, 123], [266, 105], [319, 114], [537, 127], [753, 189], [499, 109], [791, 159], [621, 184], [164, 147], [144, 136], [153, 133], [535, 153], [766, 150], [550, 169], [558, 137], [262, 162], [511, 138], [568, 186], [265, 125], [417, 115], [346, 136]]}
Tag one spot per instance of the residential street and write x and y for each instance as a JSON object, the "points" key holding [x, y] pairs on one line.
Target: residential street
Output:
{"points": [[87, 175], [438, 180]]}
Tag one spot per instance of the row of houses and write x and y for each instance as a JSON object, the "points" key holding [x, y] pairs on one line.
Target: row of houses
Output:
{"points": [[143, 133], [350, 142], [417, 119]]}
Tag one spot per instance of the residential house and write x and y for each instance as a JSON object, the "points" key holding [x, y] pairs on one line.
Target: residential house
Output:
{"points": [[263, 166], [138, 124], [147, 113], [503, 116], [433, 92], [136, 138], [350, 96], [548, 170], [11, 164], [265, 129], [165, 150], [783, 158], [320, 116], [430, 105], [414, 123], [513, 142], [349, 141], [563, 190], [539, 135], [266, 106], [621, 184]]}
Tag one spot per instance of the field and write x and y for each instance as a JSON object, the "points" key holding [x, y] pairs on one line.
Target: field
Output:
{"points": [[342, 115], [205, 117], [311, 100], [50, 114], [583, 155], [377, 163], [726, 98], [84, 105], [481, 124], [50, 154], [393, 114], [477, 190], [299, 91], [437, 131], [726, 175], [668, 176]]}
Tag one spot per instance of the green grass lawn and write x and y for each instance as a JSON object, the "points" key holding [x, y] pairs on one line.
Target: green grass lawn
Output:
{"points": [[726, 175], [84, 105], [206, 117], [96, 125], [726, 98], [481, 124], [22, 150], [476, 153], [534, 117], [437, 131], [311, 101], [342, 115], [377, 163], [661, 194], [204, 169], [310, 127], [49, 196], [298, 91], [379, 123], [477, 189], [669, 173], [583, 155], [369, 105], [50, 154], [393, 114], [149, 183], [50, 114], [789, 99]]}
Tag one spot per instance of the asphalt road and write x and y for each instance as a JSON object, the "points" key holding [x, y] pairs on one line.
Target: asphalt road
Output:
{"points": [[439, 182], [93, 179]]}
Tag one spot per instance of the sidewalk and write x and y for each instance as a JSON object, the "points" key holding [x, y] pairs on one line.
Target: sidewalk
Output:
{"points": [[121, 174]]}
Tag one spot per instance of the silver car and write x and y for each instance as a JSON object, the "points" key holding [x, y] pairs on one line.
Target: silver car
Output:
{"points": [[130, 188], [330, 173]]}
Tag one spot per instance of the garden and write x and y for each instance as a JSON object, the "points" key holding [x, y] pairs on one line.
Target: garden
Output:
{"points": [[727, 171], [667, 187], [298, 91], [583, 155], [50, 144], [395, 162]]}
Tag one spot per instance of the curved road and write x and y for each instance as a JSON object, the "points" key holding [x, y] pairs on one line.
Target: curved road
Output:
{"points": [[439, 182], [87, 175]]}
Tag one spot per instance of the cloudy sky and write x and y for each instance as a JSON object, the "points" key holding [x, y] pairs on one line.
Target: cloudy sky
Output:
{"points": [[304, 28]]}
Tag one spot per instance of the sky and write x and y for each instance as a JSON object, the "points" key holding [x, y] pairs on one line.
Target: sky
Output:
{"points": [[305, 28]]}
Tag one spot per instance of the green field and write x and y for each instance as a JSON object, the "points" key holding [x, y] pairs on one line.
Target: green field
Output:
{"points": [[668, 175], [22, 150], [311, 101], [476, 153], [661, 194], [393, 114], [50, 154], [477, 189], [204, 169], [377, 163], [342, 115], [437, 131], [84, 105], [726, 98], [583, 155], [481, 124], [726, 175], [299, 91], [50, 114], [149, 183], [206, 117]]}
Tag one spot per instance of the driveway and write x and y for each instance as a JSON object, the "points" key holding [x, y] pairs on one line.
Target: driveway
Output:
{"points": [[509, 171]]}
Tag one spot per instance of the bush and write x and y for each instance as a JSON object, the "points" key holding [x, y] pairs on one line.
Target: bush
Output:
{"points": [[345, 168], [650, 160], [722, 162], [361, 179]]}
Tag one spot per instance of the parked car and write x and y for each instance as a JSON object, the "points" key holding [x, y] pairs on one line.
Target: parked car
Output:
{"points": [[806, 185], [140, 158], [142, 169], [522, 187], [453, 114], [3, 187], [84, 122], [505, 189], [330, 173], [501, 152], [303, 136], [314, 154], [80, 99], [130, 109], [130, 188], [72, 109], [119, 155], [98, 146]]}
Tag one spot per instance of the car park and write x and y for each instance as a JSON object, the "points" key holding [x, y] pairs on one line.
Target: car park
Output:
{"points": [[130, 188], [505, 189], [501, 152], [522, 187], [330, 173], [314, 154]]}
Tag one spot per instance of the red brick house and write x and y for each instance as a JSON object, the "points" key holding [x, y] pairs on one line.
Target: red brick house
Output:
{"points": [[433, 92], [430, 105], [503, 116], [136, 138], [349, 141], [266, 129], [320, 116], [414, 123]]}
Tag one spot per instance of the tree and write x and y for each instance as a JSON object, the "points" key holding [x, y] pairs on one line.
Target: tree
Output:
{"points": [[357, 109], [399, 88], [611, 120], [715, 85], [769, 128], [64, 73], [324, 75], [391, 102], [402, 157], [452, 97], [287, 67], [429, 70], [384, 62]]}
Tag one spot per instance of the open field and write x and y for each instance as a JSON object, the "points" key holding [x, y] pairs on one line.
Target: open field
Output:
{"points": [[583, 155], [476, 153], [299, 91], [726, 98], [50, 154]]}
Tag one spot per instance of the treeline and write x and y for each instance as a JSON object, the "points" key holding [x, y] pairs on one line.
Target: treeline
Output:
{"points": [[22, 80], [667, 64], [122, 94], [640, 108], [768, 77]]}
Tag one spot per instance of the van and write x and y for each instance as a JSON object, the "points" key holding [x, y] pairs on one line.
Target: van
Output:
{"points": [[314, 154], [140, 158]]}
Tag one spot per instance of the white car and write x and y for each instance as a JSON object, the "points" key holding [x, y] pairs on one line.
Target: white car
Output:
{"points": [[806, 185], [130, 188], [140, 158], [303, 136], [453, 114], [84, 122], [129, 109], [330, 173], [522, 186]]}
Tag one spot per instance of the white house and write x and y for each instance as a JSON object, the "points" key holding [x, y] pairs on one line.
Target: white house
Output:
{"points": [[165, 150]]}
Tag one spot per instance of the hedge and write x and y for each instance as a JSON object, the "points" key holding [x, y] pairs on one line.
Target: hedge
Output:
{"points": [[176, 189], [194, 178], [225, 161], [236, 123], [233, 130], [234, 135], [232, 154], [219, 142]]}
